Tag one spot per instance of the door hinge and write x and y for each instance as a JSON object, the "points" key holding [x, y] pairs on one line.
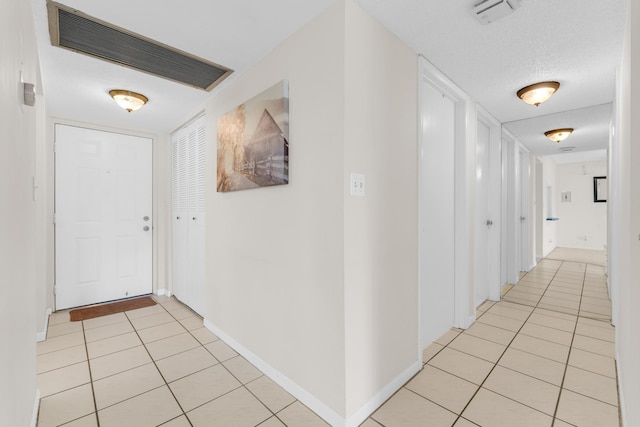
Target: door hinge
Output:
{"points": [[54, 218], [54, 290]]}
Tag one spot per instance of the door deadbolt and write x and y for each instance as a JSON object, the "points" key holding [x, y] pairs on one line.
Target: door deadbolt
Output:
{"points": [[145, 228], [145, 218]]}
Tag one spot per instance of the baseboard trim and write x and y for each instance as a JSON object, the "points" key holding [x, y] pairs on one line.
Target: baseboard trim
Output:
{"points": [[623, 406], [467, 322], [374, 403], [163, 292], [36, 409], [325, 412], [41, 336]]}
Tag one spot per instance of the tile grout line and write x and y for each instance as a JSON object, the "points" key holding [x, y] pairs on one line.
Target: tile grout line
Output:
{"points": [[503, 353], [93, 392], [156, 365], [220, 362], [566, 366]]}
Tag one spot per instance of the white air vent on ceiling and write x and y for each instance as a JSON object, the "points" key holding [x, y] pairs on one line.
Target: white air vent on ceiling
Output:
{"points": [[488, 11], [567, 149]]}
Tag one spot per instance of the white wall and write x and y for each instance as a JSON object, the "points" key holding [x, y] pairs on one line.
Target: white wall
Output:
{"points": [[626, 213], [380, 230], [19, 304], [583, 223], [550, 202], [303, 278]]}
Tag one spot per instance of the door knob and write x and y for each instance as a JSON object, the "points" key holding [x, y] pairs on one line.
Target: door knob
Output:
{"points": [[145, 228]]}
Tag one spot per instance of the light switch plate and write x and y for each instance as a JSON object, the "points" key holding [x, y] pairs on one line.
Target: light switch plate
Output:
{"points": [[357, 184]]}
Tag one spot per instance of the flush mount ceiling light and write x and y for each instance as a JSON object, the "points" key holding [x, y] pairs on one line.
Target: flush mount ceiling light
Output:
{"points": [[558, 135], [538, 93], [130, 101]]}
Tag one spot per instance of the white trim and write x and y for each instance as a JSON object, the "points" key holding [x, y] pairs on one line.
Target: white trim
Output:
{"points": [[466, 324], [163, 292], [623, 406], [41, 336], [36, 409], [313, 403], [389, 390], [464, 185]]}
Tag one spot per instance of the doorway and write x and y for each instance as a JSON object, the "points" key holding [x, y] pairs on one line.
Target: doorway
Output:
{"points": [[445, 201], [103, 216], [487, 208]]}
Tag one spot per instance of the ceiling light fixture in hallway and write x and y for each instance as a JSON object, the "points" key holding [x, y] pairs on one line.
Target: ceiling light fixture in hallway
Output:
{"points": [[130, 101], [558, 135], [538, 93]]}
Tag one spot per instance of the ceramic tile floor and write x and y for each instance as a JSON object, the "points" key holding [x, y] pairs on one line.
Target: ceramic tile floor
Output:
{"points": [[544, 356], [541, 357], [154, 366]]}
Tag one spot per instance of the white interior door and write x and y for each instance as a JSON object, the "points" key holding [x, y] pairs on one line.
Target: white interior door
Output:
{"points": [[103, 208], [437, 208], [484, 222], [525, 230]]}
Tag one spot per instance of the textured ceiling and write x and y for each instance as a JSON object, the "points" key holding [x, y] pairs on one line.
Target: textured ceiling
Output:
{"points": [[576, 42], [235, 34]]}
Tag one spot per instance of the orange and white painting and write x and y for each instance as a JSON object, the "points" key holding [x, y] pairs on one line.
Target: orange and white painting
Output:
{"points": [[253, 142]]}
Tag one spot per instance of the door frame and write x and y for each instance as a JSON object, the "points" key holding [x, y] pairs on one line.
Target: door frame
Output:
{"points": [[161, 194], [511, 207], [495, 199], [464, 202]]}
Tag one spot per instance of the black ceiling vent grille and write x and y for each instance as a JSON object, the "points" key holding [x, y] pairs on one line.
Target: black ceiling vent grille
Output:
{"points": [[76, 31]]}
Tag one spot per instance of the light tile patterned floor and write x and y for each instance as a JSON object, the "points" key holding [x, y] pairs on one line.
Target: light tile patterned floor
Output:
{"points": [[541, 357], [154, 366]]}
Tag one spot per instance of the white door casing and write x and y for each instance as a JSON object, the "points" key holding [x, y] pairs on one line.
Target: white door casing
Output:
{"points": [[103, 223], [446, 165]]}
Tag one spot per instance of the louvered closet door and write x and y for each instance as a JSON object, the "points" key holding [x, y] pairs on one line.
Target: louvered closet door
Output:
{"points": [[188, 193]]}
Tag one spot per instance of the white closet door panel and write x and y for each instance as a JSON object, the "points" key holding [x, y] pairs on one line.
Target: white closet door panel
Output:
{"points": [[189, 184]]}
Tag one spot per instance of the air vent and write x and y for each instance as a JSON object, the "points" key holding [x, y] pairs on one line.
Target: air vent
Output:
{"points": [[488, 11], [567, 149], [81, 33]]}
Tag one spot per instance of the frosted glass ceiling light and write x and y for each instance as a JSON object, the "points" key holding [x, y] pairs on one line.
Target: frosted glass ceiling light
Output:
{"points": [[538, 93], [558, 135], [128, 100]]}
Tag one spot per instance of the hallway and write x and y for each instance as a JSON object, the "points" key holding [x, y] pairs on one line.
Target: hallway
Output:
{"points": [[541, 357]]}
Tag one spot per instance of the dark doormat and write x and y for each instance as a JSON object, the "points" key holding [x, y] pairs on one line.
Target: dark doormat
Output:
{"points": [[110, 308]]}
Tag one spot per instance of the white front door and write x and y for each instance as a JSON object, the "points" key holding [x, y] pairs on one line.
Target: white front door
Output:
{"points": [[103, 208]]}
